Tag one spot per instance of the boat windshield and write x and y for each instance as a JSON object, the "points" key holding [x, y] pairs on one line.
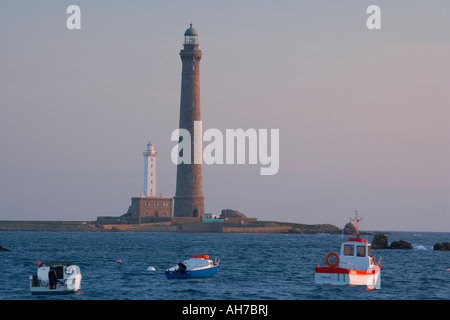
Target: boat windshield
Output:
{"points": [[361, 251], [348, 250]]}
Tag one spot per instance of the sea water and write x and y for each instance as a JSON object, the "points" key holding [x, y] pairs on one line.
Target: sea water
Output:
{"points": [[252, 266]]}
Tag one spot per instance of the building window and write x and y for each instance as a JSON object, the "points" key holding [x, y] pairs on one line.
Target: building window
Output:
{"points": [[164, 204], [155, 204], [193, 68]]}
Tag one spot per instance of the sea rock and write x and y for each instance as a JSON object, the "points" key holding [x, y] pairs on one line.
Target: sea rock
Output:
{"points": [[229, 213], [380, 241], [4, 249], [349, 228], [401, 245], [444, 246]]}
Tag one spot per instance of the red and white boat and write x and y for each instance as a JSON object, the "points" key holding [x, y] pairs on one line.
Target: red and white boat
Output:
{"points": [[354, 266]]}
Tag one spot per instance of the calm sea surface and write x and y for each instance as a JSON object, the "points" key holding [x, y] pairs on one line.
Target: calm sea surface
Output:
{"points": [[252, 266]]}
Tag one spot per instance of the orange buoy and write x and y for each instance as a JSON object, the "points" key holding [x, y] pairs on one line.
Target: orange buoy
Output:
{"points": [[333, 265], [119, 261]]}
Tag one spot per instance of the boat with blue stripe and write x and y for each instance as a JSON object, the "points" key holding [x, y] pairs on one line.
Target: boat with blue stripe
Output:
{"points": [[199, 266]]}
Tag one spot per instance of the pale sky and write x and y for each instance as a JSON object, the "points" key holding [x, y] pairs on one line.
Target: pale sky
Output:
{"points": [[363, 114]]}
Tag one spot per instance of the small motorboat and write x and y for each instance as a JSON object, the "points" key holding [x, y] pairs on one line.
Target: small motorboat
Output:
{"points": [[354, 265], [55, 277], [199, 266]]}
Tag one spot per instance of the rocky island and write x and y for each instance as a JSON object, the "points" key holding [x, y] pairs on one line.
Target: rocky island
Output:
{"points": [[230, 221], [198, 226]]}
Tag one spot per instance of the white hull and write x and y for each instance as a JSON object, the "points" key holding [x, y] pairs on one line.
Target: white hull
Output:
{"points": [[67, 286], [340, 279]]}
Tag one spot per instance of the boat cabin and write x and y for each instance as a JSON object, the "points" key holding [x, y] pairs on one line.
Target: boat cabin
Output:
{"points": [[355, 254]]}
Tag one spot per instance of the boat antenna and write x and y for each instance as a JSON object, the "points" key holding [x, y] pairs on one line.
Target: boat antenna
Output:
{"points": [[355, 221]]}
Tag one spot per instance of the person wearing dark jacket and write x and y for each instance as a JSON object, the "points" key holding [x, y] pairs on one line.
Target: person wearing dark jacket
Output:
{"points": [[52, 279]]}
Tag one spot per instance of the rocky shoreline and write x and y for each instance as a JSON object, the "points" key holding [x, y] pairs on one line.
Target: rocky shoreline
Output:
{"points": [[47, 226], [380, 240], [93, 226]]}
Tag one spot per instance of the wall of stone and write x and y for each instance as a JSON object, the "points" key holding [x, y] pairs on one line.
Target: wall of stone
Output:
{"points": [[109, 220], [240, 220], [149, 227], [212, 227], [186, 219], [155, 219], [256, 229]]}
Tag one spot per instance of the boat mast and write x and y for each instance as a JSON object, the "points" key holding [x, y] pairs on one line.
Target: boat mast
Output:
{"points": [[355, 221]]}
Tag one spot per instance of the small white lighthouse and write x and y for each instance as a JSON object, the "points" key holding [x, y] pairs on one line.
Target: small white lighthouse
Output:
{"points": [[149, 171], [147, 208]]}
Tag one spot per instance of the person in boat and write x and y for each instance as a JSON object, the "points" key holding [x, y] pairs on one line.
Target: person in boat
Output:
{"points": [[182, 268], [52, 278]]}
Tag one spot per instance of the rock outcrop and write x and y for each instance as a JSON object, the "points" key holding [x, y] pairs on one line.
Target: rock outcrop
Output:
{"points": [[401, 245], [229, 213], [380, 241], [444, 246], [349, 228], [4, 249]]}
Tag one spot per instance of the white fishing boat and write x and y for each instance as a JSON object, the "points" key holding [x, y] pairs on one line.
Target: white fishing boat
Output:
{"points": [[55, 277], [353, 266]]}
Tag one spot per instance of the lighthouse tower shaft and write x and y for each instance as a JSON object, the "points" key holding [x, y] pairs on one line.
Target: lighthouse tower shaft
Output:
{"points": [[150, 154], [189, 200]]}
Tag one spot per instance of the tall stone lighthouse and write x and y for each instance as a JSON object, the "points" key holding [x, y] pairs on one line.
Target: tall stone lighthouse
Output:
{"points": [[189, 200]]}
